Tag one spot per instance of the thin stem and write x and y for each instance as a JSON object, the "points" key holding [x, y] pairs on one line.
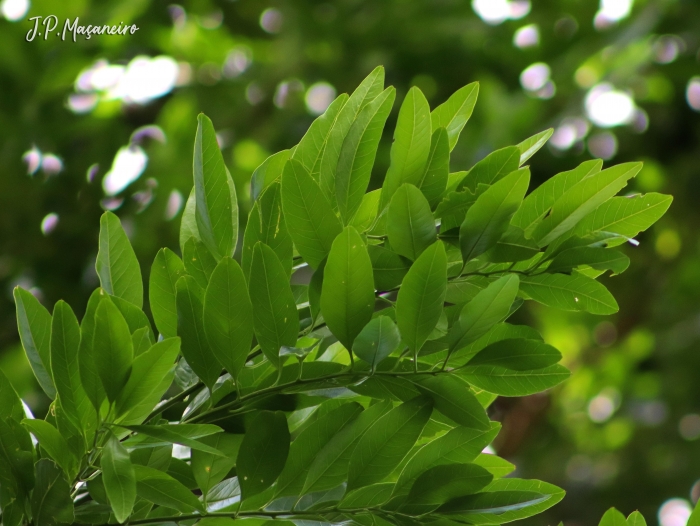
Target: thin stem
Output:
{"points": [[173, 401]]}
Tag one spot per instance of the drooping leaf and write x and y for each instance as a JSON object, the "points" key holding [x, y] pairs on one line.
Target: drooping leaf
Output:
{"points": [[410, 223], [411, 146], [421, 296], [387, 442], [190, 328], [113, 348], [574, 292], [198, 261], [531, 145], [347, 296], [308, 214], [263, 452], [454, 113], [119, 478], [492, 503], [433, 182], [167, 268], [163, 490], [452, 397], [358, 152], [34, 324], [275, 316], [377, 340], [492, 168], [488, 218], [216, 209], [596, 258], [388, 267], [51, 502], [117, 266], [267, 224], [512, 382], [268, 172], [228, 316]]}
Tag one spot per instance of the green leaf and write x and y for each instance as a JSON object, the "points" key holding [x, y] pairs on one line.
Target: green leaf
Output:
{"points": [[263, 452], [135, 318], [531, 145], [208, 469], [308, 214], [310, 150], [411, 146], [199, 263], [612, 517], [596, 258], [421, 296], [167, 268], [495, 465], [16, 458], [492, 168], [188, 224], [511, 247], [228, 316], [142, 341], [266, 224], [388, 268], [10, 402], [89, 376], [536, 205], [573, 293], [366, 92], [53, 444], [117, 266], [216, 210], [410, 223], [492, 503], [440, 484], [268, 172], [368, 497], [501, 331], [517, 354], [453, 208], [183, 434], [488, 218], [453, 398], [581, 199], [65, 342], [512, 382], [377, 340], [34, 324], [433, 182], [358, 152], [367, 211], [330, 466], [455, 112], [163, 490], [308, 444], [637, 519], [113, 348], [275, 316], [626, 216], [51, 502], [347, 296], [460, 445], [190, 328], [387, 442], [147, 373], [119, 478], [489, 307]]}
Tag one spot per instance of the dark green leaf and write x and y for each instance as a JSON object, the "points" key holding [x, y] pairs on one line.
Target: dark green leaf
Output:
{"points": [[596, 258], [199, 263], [208, 469], [512, 382], [443, 483], [53, 444], [492, 503], [117, 266], [379, 338], [453, 208], [119, 478], [51, 501], [368, 497], [517, 354], [10, 402], [163, 490], [347, 296], [228, 316], [263, 452], [89, 376], [511, 247], [574, 293], [433, 182], [167, 268], [388, 267], [453, 398], [16, 458], [455, 112], [113, 348], [410, 223]]}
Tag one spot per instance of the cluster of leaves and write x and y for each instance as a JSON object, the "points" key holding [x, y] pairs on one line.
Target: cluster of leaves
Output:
{"points": [[257, 360]]}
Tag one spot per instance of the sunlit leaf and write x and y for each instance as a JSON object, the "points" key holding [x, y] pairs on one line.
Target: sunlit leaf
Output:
{"points": [[410, 223], [454, 113], [574, 292]]}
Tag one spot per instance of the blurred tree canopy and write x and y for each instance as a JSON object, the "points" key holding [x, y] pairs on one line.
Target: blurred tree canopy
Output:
{"points": [[108, 122]]}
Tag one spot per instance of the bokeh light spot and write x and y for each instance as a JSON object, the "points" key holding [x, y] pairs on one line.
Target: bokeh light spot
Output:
{"points": [[674, 512], [689, 426], [128, 165], [668, 244], [527, 36], [271, 20], [692, 93], [318, 97], [607, 107], [14, 10], [49, 223], [602, 145]]}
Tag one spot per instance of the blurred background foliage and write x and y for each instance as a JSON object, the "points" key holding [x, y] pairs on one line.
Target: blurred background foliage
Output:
{"points": [[107, 123]]}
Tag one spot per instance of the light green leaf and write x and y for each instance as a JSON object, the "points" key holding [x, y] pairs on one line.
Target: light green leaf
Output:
{"points": [[511, 382], [388, 267], [581, 199], [612, 517], [112, 347], [488, 218], [275, 316], [411, 146], [34, 324], [190, 328], [453, 398], [536, 205], [531, 145], [347, 296], [367, 497], [574, 292], [188, 224], [167, 268], [637, 519], [216, 208], [263, 453], [51, 503], [117, 266], [266, 224], [517, 354], [367, 211], [379, 338], [208, 469], [53, 443], [489, 307], [387, 442], [552, 493], [440, 484], [410, 223], [433, 182], [453, 208], [455, 112], [268, 172], [142, 341], [596, 258], [199, 263], [492, 168], [495, 465], [511, 247], [358, 152], [163, 490], [119, 478], [308, 214], [89, 377], [135, 318]]}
